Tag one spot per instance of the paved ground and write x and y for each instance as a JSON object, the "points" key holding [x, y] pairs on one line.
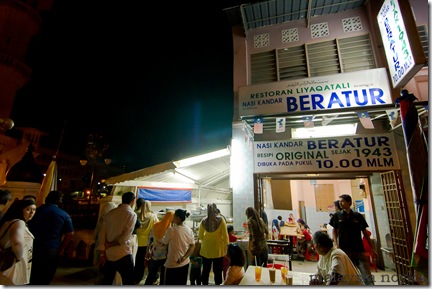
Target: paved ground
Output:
{"points": [[81, 274]]}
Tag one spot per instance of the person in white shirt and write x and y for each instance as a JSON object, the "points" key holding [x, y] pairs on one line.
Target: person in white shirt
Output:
{"points": [[330, 227], [15, 234], [181, 243], [114, 242], [334, 267]]}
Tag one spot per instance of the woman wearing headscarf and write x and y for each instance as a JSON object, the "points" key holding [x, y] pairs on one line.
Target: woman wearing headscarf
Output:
{"points": [[258, 236], [156, 253], [15, 233], [181, 243], [214, 236], [301, 222], [108, 206], [147, 219]]}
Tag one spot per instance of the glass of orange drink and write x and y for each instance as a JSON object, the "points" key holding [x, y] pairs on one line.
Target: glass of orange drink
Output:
{"points": [[258, 271], [284, 273]]}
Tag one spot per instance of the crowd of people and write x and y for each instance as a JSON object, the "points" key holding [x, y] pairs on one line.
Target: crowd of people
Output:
{"points": [[128, 241], [170, 246]]}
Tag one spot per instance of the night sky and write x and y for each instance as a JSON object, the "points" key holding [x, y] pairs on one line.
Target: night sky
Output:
{"points": [[155, 81]]}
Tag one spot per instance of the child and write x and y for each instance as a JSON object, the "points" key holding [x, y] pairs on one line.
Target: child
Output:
{"points": [[281, 222], [232, 238], [303, 242], [236, 270], [195, 265]]}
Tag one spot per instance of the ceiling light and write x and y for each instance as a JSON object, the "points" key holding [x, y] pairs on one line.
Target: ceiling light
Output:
{"points": [[202, 158], [324, 131]]}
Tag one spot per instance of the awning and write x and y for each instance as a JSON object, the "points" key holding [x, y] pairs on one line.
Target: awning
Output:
{"points": [[208, 171]]}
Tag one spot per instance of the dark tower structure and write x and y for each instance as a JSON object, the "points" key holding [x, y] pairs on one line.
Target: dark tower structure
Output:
{"points": [[19, 22]]}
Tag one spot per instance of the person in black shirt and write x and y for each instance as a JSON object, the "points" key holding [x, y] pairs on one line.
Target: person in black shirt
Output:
{"points": [[348, 226], [5, 197]]}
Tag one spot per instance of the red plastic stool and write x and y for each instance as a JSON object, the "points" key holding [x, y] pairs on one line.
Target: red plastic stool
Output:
{"points": [[309, 256]]}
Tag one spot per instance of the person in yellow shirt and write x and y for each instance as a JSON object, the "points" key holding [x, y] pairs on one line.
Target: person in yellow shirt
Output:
{"points": [[214, 237], [147, 219]]}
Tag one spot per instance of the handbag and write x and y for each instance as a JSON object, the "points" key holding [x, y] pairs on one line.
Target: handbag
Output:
{"points": [[7, 256]]}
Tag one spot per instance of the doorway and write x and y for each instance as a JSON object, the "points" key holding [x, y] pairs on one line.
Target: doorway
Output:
{"points": [[365, 190]]}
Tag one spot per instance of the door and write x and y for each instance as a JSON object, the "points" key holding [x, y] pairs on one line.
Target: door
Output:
{"points": [[400, 227], [302, 211]]}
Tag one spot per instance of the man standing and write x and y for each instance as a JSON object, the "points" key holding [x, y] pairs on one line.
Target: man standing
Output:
{"points": [[52, 228], [348, 226], [114, 242]]}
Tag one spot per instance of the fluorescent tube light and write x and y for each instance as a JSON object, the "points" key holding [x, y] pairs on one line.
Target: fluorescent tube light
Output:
{"points": [[324, 131], [202, 158]]}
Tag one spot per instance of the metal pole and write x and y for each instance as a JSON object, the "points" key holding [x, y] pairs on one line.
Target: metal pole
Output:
{"points": [[91, 184]]}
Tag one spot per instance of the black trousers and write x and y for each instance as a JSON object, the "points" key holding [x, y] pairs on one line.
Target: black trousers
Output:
{"points": [[124, 266], [195, 276], [44, 267], [139, 264], [153, 268], [217, 270], [176, 276]]}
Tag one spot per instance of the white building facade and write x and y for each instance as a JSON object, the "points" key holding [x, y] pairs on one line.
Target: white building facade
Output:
{"points": [[292, 72]]}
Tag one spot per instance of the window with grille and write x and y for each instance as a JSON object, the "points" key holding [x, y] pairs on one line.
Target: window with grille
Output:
{"points": [[263, 67], [356, 53], [292, 62], [323, 58], [315, 59], [424, 38]]}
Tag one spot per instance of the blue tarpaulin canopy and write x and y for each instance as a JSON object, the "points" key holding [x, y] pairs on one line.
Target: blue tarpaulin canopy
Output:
{"points": [[165, 195]]}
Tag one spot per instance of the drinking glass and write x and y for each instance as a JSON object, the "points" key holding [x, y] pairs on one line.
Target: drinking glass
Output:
{"points": [[258, 271], [289, 279], [284, 272], [272, 273]]}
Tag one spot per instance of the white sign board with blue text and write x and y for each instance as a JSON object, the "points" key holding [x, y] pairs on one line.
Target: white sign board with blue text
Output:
{"points": [[368, 152], [400, 58], [344, 90]]}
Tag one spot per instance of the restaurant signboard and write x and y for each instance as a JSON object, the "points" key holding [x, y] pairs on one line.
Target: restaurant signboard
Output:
{"points": [[403, 49], [331, 92], [367, 152]]}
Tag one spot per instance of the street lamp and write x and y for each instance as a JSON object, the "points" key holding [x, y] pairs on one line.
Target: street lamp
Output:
{"points": [[95, 149], [6, 123]]}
